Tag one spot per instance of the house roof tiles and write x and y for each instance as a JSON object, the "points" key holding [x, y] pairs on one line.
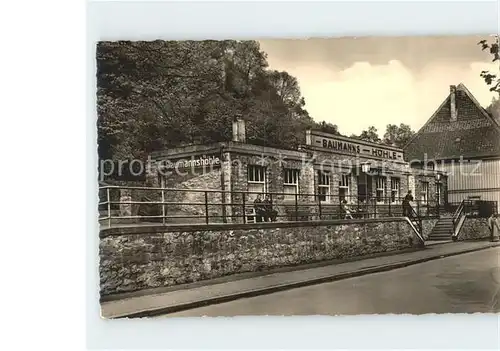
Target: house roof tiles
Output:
{"points": [[473, 134]]}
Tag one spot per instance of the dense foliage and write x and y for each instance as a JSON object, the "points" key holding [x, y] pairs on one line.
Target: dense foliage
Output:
{"points": [[397, 136], [153, 95], [160, 94], [491, 79]]}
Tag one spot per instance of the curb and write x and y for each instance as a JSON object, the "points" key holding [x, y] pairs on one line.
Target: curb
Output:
{"points": [[284, 287]]}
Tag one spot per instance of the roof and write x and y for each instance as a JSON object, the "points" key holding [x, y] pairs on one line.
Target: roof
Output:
{"points": [[473, 134]]}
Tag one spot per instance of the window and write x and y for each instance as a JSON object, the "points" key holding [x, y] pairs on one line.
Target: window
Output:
{"points": [[395, 189], [324, 186], [380, 190], [256, 179], [344, 187], [424, 194], [291, 184]]}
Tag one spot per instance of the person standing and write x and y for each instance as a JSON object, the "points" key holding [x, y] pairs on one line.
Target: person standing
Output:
{"points": [[494, 227], [406, 204]]}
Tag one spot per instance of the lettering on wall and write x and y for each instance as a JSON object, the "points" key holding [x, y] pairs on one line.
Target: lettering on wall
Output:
{"points": [[194, 162], [354, 148]]}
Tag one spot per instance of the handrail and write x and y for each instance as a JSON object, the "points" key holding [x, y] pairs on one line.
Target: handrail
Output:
{"points": [[459, 216], [160, 205], [416, 217], [458, 210], [462, 208], [416, 230]]}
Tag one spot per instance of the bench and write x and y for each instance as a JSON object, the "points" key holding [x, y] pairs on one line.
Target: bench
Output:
{"points": [[250, 215], [299, 213]]}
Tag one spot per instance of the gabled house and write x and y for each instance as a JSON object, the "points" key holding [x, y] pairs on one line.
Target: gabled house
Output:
{"points": [[462, 139]]}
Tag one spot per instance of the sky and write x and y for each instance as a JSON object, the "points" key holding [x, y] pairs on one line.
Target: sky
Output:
{"points": [[358, 82]]}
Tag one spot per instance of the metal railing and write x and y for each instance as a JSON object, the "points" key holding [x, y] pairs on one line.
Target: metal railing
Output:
{"points": [[176, 206], [416, 219], [459, 216], [472, 208]]}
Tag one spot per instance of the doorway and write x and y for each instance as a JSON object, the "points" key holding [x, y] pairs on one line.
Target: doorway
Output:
{"points": [[365, 182]]}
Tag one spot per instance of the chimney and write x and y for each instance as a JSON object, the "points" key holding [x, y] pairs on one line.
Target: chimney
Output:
{"points": [[235, 129], [453, 104], [239, 134], [308, 137]]}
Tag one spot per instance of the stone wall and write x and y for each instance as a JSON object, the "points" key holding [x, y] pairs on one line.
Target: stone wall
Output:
{"points": [[474, 228], [209, 179], [427, 226], [159, 258]]}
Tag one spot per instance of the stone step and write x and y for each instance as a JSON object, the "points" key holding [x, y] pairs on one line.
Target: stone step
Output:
{"points": [[439, 237], [441, 234]]}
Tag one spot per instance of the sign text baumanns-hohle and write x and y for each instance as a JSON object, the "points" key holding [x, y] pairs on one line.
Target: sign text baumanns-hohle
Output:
{"points": [[200, 161], [351, 147]]}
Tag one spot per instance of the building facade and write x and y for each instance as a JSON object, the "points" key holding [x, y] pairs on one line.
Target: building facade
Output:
{"points": [[463, 140], [315, 178]]}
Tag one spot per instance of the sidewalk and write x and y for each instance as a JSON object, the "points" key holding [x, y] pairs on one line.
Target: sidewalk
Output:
{"points": [[177, 300]]}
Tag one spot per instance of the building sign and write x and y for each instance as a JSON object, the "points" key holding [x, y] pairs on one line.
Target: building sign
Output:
{"points": [[353, 147], [193, 162]]}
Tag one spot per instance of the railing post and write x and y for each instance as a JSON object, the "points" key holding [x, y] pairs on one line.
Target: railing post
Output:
{"points": [[418, 208], [163, 205], [223, 205], [244, 210], [375, 208], [390, 200], [319, 207], [272, 206], [109, 207], [296, 208], [206, 207]]}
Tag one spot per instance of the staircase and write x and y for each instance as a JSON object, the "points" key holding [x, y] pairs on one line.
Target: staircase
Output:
{"points": [[443, 229]]}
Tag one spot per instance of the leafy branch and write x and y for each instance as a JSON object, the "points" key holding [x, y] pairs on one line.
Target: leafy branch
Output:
{"points": [[491, 79]]}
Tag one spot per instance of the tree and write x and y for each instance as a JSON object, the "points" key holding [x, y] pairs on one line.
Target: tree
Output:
{"points": [[493, 80], [494, 109], [370, 135], [327, 128], [398, 136], [150, 93], [286, 88], [153, 95]]}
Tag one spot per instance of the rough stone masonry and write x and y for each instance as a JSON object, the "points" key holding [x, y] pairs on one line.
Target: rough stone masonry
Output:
{"points": [[131, 262]]}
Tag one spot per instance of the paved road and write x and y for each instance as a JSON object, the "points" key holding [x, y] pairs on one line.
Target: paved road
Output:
{"points": [[460, 284]]}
